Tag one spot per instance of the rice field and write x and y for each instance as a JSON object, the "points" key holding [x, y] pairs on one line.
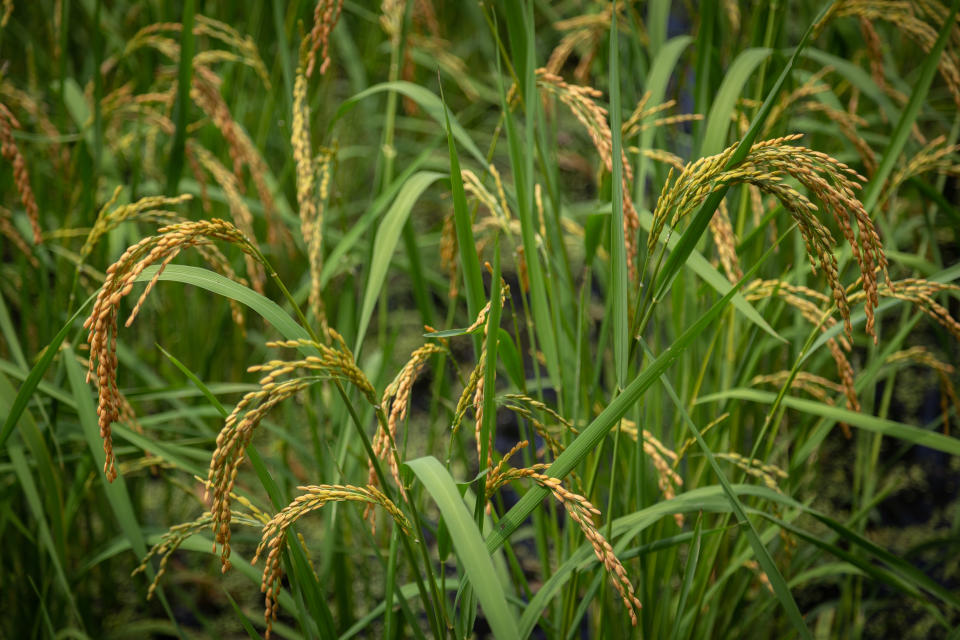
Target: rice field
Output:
{"points": [[508, 319]]}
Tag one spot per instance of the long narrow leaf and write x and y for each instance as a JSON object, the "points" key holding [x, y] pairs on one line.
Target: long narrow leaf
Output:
{"points": [[388, 234], [468, 543]]}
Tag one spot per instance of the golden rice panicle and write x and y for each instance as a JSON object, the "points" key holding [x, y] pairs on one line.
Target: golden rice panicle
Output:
{"points": [[831, 182], [38, 110], [581, 511], [149, 209], [762, 576], [310, 207], [121, 275], [313, 233], [478, 392], [801, 98], [466, 396], [769, 474], [936, 156], [948, 396], [325, 16], [245, 46], [811, 305], [689, 442], [585, 36], [164, 37], [722, 231], [553, 444], [477, 402], [496, 205], [205, 92], [314, 497], [640, 120], [664, 462], [582, 104], [448, 255], [537, 405], [169, 543], [817, 386], [175, 537], [240, 425], [685, 189], [668, 480], [111, 215], [922, 293], [21, 176], [495, 479], [920, 21], [231, 444], [441, 53], [732, 9], [525, 407], [238, 210], [395, 403]]}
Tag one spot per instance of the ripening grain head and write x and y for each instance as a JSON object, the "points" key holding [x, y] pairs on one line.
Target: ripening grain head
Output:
{"points": [[21, 176], [314, 497], [121, 276]]}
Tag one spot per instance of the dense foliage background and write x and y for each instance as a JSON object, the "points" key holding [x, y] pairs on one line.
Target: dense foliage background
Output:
{"points": [[591, 305]]}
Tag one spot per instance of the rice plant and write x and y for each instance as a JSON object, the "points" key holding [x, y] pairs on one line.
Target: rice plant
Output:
{"points": [[615, 319]]}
